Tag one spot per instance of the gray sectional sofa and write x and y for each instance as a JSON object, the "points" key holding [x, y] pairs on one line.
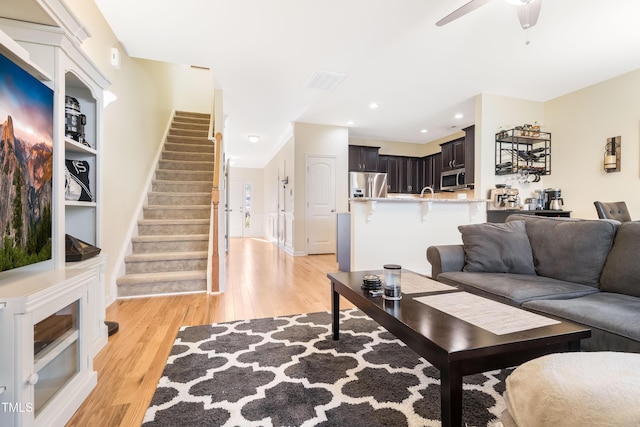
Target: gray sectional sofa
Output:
{"points": [[585, 271]]}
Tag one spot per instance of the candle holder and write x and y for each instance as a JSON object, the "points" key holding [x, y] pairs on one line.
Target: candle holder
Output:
{"points": [[612, 154]]}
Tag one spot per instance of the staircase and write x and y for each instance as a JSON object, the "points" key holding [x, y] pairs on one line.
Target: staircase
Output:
{"points": [[170, 252]]}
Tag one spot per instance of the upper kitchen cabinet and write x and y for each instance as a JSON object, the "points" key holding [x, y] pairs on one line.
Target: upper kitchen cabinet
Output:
{"points": [[459, 154], [363, 158], [453, 154]]}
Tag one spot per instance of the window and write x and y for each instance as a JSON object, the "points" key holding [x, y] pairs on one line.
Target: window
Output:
{"points": [[247, 206]]}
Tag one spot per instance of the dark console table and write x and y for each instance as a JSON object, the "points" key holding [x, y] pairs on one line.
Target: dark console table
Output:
{"points": [[501, 215]]}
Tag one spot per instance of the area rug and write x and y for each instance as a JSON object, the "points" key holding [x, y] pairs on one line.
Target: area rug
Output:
{"points": [[287, 371]]}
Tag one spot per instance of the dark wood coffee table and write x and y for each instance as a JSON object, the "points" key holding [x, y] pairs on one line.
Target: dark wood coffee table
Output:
{"points": [[453, 346]]}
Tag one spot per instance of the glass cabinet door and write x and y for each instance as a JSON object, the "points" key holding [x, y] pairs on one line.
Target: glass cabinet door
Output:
{"points": [[56, 353]]}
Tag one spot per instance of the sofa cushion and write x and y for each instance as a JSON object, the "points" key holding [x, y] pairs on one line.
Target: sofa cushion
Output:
{"points": [[514, 289], [573, 250], [615, 313], [497, 248], [621, 272]]}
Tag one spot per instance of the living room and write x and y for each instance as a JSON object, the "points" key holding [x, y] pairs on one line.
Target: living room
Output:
{"points": [[149, 91]]}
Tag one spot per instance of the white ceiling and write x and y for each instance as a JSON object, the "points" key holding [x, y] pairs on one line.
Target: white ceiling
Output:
{"points": [[262, 53]]}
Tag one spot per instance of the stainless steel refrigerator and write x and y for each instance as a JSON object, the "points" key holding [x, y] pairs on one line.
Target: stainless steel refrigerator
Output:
{"points": [[367, 184]]}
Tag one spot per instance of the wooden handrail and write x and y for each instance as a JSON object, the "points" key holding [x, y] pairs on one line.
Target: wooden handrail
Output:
{"points": [[215, 202]]}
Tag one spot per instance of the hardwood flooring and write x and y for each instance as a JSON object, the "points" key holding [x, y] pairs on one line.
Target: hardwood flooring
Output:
{"points": [[262, 281]]}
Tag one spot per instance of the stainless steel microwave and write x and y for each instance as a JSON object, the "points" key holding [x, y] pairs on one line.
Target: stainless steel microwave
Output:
{"points": [[452, 180]]}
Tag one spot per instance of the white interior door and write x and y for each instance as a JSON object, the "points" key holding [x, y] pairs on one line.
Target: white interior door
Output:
{"points": [[321, 205], [235, 204]]}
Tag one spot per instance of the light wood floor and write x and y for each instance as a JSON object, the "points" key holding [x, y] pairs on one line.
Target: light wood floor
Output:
{"points": [[262, 281]]}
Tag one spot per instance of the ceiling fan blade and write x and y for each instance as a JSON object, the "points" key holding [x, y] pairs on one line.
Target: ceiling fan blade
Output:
{"points": [[528, 13], [461, 11]]}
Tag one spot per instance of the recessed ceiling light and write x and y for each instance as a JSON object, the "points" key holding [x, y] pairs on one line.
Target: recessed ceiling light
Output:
{"points": [[373, 105], [459, 116], [349, 123], [254, 138], [423, 131]]}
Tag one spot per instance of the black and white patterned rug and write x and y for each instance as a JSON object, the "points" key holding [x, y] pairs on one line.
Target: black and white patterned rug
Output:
{"points": [[287, 371]]}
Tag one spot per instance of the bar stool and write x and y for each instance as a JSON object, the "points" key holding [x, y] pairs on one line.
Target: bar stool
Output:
{"points": [[613, 210]]}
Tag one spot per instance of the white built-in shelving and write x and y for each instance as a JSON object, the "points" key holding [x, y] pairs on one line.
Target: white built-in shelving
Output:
{"points": [[47, 384]]}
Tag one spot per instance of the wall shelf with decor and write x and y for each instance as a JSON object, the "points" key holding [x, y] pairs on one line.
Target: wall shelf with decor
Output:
{"points": [[523, 150]]}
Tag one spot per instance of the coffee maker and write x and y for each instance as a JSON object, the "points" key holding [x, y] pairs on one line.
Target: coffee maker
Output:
{"points": [[553, 199], [503, 198]]}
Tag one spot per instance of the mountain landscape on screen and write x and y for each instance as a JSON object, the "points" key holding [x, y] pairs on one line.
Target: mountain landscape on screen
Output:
{"points": [[26, 167]]}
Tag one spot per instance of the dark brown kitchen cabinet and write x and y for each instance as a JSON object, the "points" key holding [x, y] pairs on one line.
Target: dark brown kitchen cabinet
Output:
{"points": [[429, 172], [426, 173], [460, 154], [393, 168], [403, 173], [412, 175], [437, 168], [469, 154], [363, 158], [453, 154]]}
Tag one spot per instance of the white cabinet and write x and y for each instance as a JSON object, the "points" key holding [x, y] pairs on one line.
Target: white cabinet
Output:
{"points": [[44, 320]]}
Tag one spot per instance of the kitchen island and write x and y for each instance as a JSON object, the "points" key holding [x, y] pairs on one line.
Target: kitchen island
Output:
{"points": [[398, 230]]}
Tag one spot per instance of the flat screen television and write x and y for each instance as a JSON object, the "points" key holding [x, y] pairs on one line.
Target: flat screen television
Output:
{"points": [[26, 167]]}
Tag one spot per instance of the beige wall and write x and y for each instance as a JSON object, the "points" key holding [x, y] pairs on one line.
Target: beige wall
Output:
{"points": [[495, 113], [580, 123]]}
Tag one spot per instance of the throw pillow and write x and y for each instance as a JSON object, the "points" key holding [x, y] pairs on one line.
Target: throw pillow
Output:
{"points": [[569, 249], [497, 248], [621, 273]]}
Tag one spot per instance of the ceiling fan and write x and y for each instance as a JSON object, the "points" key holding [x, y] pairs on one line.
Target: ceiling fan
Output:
{"points": [[528, 11]]}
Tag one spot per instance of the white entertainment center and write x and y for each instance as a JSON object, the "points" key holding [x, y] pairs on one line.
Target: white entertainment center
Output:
{"points": [[52, 313]]}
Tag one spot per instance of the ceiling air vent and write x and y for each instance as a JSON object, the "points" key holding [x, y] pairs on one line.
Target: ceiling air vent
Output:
{"points": [[324, 80]]}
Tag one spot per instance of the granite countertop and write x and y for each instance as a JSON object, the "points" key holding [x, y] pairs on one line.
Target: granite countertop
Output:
{"points": [[410, 199]]}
